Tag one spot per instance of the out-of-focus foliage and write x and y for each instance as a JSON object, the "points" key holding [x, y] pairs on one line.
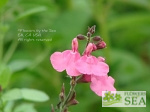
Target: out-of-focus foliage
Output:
{"points": [[123, 24]]}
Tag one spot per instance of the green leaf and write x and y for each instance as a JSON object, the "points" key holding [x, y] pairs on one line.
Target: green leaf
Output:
{"points": [[5, 75], [34, 95], [18, 65], [32, 11], [14, 94], [27, 94], [25, 107], [3, 2]]}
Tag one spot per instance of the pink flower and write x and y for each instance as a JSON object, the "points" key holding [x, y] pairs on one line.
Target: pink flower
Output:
{"points": [[89, 64], [95, 71], [66, 60]]}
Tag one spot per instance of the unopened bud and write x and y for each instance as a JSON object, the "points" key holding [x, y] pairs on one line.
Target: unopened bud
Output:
{"points": [[72, 100], [61, 96], [92, 29], [101, 45], [89, 34], [89, 49], [81, 37], [97, 38], [62, 93]]}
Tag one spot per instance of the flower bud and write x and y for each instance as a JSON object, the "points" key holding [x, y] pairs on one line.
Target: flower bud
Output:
{"points": [[75, 44], [92, 29], [97, 38], [89, 29], [81, 37], [89, 34], [89, 49], [101, 45], [72, 100], [61, 96]]}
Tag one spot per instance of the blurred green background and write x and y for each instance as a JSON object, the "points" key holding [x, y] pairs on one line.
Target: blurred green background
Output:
{"points": [[123, 24]]}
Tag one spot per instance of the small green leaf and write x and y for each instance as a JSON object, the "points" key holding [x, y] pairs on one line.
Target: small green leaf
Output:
{"points": [[5, 75], [25, 93], [14, 94], [34, 95], [25, 107]]}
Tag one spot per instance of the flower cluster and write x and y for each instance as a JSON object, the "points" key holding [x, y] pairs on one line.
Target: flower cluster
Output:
{"points": [[88, 67]]}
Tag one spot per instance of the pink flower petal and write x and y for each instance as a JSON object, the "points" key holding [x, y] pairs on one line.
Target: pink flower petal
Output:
{"points": [[102, 83], [58, 61], [101, 69], [65, 60]]}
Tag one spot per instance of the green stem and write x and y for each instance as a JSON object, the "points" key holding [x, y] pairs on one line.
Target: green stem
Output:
{"points": [[10, 51]]}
